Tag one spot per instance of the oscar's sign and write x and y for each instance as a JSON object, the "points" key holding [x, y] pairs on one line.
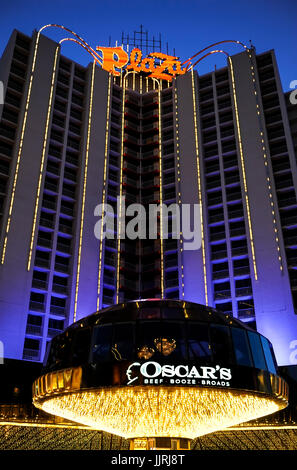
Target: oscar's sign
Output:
{"points": [[156, 64]]}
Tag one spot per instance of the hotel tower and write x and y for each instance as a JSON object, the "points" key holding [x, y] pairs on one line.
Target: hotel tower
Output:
{"points": [[73, 137]]}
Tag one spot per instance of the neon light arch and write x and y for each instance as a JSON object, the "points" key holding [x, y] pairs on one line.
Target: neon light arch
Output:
{"points": [[80, 39], [99, 60]]}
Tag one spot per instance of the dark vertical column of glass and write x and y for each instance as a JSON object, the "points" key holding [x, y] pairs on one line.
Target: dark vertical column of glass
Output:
{"points": [[150, 193], [112, 191], [129, 259], [171, 274], [11, 114], [280, 160]]}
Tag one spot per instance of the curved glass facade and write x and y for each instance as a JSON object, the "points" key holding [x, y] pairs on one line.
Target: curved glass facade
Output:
{"points": [[160, 331]]}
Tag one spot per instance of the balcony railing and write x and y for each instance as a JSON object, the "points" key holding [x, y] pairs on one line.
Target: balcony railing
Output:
{"points": [[150, 126], [69, 193], [110, 260], [52, 332], [53, 169], [34, 330], [171, 283], [131, 138], [130, 166], [246, 313], [46, 223], [217, 236], [236, 232], [130, 181], [219, 254], [72, 160], [151, 267], [57, 310], [284, 184], [39, 284], [216, 218], [291, 241], [292, 262], [289, 220], [44, 242], [168, 180], [109, 280], [130, 266], [150, 140], [215, 200], [107, 300], [132, 125], [129, 284], [37, 306], [243, 291], [66, 210], [241, 271], [63, 248], [51, 187], [63, 268], [149, 168], [31, 354], [235, 214], [241, 250], [49, 204], [287, 202], [223, 294], [151, 183], [60, 288], [148, 285], [155, 197], [170, 263], [4, 169], [128, 151], [65, 229], [168, 196], [130, 197], [221, 274], [150, 114], [170, 245]]}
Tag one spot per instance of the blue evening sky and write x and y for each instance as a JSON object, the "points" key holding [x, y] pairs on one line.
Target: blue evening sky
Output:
{"points": [[187, 25]]}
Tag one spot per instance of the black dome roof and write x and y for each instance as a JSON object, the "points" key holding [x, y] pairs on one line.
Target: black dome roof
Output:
{"points": [[154, 309]]}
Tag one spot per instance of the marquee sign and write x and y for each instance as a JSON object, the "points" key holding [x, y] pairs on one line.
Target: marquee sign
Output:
{"points": [[157, 64], [153, 373]]}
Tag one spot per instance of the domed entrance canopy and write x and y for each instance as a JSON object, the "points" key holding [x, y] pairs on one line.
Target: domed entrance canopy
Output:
{"points": [[160, 369]]}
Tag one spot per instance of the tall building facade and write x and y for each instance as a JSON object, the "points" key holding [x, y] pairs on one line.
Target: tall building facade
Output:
{"points": [[73, 137]]}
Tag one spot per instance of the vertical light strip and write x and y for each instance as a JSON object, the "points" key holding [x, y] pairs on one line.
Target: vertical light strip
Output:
{"points": [[104, 188], [45, 140], [84, 192], [121, 190], [243, 171], [199, 187], [178, 184], [161, 188], [268, 179], [19, 152]]}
